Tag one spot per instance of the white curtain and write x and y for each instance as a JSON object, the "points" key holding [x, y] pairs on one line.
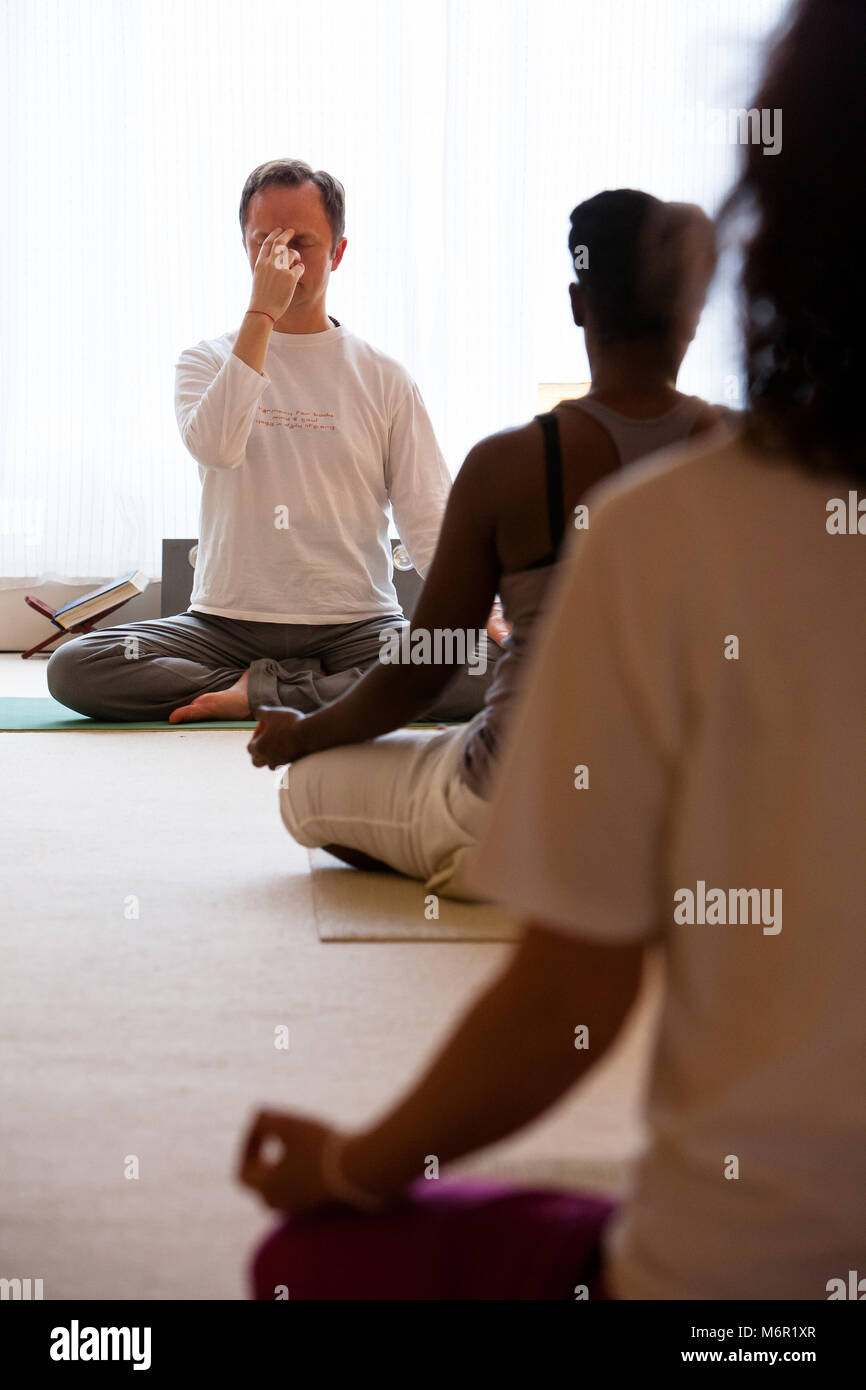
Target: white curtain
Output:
{"points": [[464, 131]]}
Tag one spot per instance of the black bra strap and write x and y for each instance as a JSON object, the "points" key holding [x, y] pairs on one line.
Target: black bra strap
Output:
{"points": [[553, 474]]}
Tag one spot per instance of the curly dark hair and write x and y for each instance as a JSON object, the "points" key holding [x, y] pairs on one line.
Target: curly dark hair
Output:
{"points": [[803, 276]]}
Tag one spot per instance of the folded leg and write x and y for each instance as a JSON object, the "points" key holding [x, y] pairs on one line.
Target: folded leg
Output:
{"points": [[398, 800], [355, 648], [144, 670]]}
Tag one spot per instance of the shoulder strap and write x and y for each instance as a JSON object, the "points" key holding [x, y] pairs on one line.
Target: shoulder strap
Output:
{"points": [[553, 475]]}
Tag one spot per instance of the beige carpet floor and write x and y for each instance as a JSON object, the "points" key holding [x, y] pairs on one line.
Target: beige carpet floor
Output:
{"points": [[157, 927], [351, 906]]}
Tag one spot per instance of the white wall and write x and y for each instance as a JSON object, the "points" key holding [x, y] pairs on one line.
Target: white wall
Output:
{"points": [[22, 627]]}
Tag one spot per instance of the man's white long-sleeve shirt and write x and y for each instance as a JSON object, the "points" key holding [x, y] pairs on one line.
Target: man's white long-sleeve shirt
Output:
{"points": [[299, 466]]}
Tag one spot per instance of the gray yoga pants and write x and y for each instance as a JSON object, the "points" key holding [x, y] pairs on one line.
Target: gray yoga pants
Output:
{"points": [[143, 671]]}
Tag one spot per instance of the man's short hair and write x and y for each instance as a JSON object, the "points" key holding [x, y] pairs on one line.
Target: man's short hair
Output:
{"points": [[291, 173]]}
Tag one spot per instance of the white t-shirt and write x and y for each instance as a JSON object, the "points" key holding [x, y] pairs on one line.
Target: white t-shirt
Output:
{"points": [[733, 773], [298, 468]]}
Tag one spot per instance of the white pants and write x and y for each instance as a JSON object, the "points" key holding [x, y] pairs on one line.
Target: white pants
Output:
{"points": [[397, 798]]}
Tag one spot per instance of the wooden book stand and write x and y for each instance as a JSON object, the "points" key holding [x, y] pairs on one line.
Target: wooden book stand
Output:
{"points": [[47, 612]]}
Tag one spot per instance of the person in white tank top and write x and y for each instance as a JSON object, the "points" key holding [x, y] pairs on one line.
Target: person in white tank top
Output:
{"points": [[417, 803]]}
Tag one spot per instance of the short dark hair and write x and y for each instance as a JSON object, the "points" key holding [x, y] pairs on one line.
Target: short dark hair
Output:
{"points": [[646, 265], [803, 282], [292, 173]]}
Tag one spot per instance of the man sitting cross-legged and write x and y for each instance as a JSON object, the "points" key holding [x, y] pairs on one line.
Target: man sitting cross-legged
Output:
{"points": [[306, 438]]}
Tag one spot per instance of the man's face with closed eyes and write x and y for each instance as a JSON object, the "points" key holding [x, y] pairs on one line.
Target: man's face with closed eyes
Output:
{"points": [[301, 210]]}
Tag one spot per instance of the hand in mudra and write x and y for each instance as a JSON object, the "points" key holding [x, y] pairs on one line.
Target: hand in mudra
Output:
{"points": [[277, 270], [291, 1179], [276, 740]]}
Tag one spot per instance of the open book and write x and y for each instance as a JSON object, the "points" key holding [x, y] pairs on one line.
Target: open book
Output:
{"points": [[98, 601]]}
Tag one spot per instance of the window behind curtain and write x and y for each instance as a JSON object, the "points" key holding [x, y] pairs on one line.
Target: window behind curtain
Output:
{"points": [[464, 133]]}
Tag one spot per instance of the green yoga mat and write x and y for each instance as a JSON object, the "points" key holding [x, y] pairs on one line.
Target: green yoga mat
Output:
{"points": [[48, 716], [42, 716]]}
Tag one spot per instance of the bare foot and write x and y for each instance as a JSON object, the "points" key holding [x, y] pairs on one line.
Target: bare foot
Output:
{"points": [[217, 704]]}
